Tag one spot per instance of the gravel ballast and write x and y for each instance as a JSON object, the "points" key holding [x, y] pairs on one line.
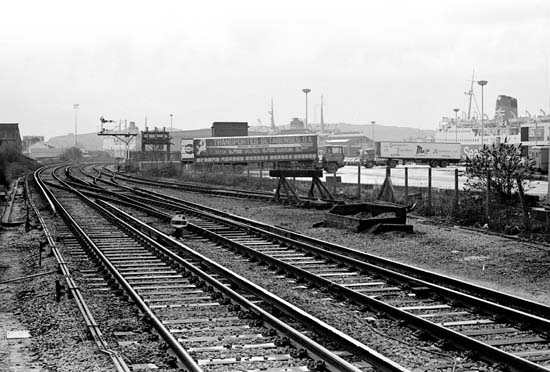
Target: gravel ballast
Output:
{"points": [[504, 264]]}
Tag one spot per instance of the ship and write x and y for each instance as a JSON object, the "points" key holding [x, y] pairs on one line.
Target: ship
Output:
{"points": [[506, 125]]}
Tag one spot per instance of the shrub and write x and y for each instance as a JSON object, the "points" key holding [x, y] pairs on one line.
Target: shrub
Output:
{"points": [[72, 154], [507, 173]]}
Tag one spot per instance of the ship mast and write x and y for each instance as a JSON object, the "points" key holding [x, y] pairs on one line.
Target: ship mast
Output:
{"points": [[470, 93]]}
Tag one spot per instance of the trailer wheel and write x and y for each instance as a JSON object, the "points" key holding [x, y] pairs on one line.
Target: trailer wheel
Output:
{"points": [[369, 164], [443, 163], [433, 163], [331, 167], [392, 164], [238, 169]]}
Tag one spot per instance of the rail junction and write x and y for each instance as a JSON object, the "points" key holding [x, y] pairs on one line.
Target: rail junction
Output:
{"points": [[195, 293]]}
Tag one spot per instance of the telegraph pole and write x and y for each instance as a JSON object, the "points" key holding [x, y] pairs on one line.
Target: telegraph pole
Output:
{"points": [[75, 107]]}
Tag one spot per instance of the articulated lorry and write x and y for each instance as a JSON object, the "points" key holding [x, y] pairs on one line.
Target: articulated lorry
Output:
{"points": [[390, 153], [269, 152]]}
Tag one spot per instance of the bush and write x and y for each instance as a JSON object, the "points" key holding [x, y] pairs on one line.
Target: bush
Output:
{"points": [[72, 154], [506, 172], [13, 164]]}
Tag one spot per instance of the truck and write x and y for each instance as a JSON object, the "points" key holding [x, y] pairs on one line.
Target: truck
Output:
{"points": [[390, 153], [271, 152]]}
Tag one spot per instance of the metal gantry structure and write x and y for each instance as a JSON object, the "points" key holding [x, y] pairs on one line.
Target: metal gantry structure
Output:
{"points": [[124, 136]]}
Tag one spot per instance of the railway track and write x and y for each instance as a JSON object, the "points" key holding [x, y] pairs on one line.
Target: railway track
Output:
{"points": [[206, 323], [459, 316], [10, 215], [220, 191], [91, 324]]}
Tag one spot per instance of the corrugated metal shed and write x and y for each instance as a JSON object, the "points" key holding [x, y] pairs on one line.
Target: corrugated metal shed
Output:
{"points": [[10, 137]]}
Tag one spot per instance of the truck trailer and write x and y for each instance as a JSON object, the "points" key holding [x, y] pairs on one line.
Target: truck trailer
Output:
{"points": [[269, 152], [390, 153]]}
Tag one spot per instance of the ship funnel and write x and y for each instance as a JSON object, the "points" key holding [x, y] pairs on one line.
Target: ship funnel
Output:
{"points": [[506, 107]]}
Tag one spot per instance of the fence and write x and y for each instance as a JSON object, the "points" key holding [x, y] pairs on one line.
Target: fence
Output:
{"points": [[412, 186]]}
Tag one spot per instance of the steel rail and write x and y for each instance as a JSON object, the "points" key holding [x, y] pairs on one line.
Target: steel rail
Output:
{"points": [[46, 193], [326, 355], [8, 210], [486, 352], [509, 300], [87, 315], [176, 347], [268, 196], [489, 353], [159, 239], [492, 354], [430, 278], [323, 354], [312, 245]]}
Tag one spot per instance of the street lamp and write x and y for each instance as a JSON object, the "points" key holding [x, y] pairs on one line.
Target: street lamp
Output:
{"points": [[171, 121], [482, 83], [75, 107], [306, 91], [456, 124], [372, 137]]}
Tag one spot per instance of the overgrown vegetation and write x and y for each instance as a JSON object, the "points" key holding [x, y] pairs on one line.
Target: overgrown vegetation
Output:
{"points": [[13, 164], [503, 173], [72, 154]]}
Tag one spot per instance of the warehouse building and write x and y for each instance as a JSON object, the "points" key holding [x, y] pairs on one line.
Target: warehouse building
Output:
{"points": [[10, 137]]}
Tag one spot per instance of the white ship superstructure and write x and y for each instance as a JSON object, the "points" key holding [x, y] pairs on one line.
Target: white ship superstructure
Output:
{"points": [[532, 130]]}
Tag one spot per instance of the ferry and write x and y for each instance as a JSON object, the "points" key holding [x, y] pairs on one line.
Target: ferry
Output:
{"points": [[472, 133]]}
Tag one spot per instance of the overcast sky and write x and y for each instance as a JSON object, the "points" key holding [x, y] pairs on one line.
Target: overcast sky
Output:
{"points": [[405, 63]]}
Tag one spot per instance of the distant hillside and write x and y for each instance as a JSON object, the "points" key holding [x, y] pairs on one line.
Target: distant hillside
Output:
{"points": [[383, 132], [88, 141], [93, 142]]}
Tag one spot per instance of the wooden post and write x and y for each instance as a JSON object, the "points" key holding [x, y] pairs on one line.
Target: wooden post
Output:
{"points": [[27, 216], [456, 193], [334, 185], [487, 195], [406, 185], [430, 188], [359, 180]]}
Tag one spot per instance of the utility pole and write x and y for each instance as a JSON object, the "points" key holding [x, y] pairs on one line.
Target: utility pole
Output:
{"points": [[306, 91], [456, 124], [322, 118], [482, 83], [75, 107]]}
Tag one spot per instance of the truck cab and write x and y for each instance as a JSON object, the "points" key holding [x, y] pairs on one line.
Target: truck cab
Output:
{"points": [[368, 158], [333, 158]]}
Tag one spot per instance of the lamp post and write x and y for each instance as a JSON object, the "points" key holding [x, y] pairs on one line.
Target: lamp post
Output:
{"points": [[171, 115], [75, 107], [306, 91], [372, 137], [482, 83], [456, 124]]}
